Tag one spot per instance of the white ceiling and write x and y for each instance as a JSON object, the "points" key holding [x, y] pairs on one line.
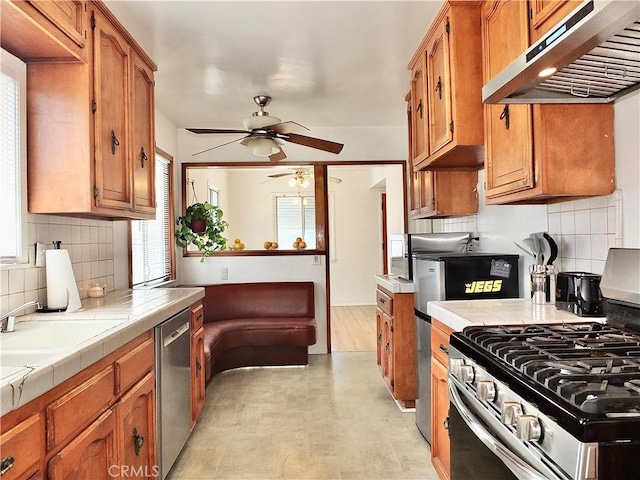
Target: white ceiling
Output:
{"points": [[326, 64]]}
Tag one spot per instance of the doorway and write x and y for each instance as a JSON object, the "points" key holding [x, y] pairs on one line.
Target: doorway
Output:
{"points": [[355, 247]]}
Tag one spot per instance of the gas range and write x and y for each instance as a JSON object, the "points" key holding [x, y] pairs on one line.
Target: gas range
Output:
{"points": [[556, 401]]}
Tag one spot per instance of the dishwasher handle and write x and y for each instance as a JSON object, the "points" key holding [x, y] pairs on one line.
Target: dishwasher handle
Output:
{"points": [[169, 339]]}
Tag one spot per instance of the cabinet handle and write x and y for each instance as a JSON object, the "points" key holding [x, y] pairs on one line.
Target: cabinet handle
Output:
{"points": [[7, 464], [382, 300], [444, 349], [419, 108], [200, 316], [438, 88], [143, 156], [138, 441], [445, 424], [114, 142], [198, 367], [505, 116]]}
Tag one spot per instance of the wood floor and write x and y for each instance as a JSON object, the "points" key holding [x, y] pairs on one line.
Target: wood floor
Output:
{"points": [[353, 328]]}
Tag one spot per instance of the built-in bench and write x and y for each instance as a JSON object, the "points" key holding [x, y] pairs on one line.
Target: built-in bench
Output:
{"points": [[257, 324]]}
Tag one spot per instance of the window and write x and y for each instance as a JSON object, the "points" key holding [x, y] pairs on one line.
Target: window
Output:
{"points": [[214, 195], [12, 159], [296, 217], [152, 240]]}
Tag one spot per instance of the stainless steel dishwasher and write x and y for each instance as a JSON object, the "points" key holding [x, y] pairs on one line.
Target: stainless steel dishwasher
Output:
{"points": [[173, 388]]}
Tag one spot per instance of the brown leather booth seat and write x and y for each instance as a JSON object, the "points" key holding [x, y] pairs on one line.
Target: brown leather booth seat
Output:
{"points": [[257, 324]]}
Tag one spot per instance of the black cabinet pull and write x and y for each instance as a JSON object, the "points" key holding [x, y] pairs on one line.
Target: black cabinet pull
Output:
{"points": [[445, 424], [438, 88], [143, 156], [419, 108], [198, 367], [505, 116], [444, 349], [114, 142], [6, 464], [138, 441]]}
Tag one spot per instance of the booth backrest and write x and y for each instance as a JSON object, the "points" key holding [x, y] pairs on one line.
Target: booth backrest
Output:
{"points": [[227, 301]]}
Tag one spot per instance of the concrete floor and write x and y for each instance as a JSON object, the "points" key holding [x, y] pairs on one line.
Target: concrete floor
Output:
{"points": [[334, 419]]}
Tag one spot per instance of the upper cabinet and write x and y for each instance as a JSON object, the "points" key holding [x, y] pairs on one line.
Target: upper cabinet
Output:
{"points": [[535, 153], [91, 128], [544, 14], [446, 91], [44, 30]]}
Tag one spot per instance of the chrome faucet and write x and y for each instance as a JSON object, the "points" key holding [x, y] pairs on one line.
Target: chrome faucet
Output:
{"points": [[8, 320]]}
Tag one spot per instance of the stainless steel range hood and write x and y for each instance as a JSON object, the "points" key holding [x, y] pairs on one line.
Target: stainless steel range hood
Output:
{"points": [[595, 49]]}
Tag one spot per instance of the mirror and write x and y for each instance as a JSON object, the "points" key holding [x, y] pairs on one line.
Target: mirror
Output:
{"points": [[281, 200]]}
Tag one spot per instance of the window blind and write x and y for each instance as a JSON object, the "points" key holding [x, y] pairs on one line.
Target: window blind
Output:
{"points": [[296, 217], [151, 239], [10, 167]]}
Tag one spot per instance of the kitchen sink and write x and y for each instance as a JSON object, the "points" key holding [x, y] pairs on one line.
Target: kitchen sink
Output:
{"points": [[51, 335]]}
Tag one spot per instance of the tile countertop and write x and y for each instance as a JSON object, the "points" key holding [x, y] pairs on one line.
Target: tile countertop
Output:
{"points": [[126, 315], [395, 284], [458, 314]]}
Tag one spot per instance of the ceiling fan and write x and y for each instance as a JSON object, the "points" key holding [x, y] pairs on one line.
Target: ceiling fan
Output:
{"points": [[265, 135], [300, 177]]}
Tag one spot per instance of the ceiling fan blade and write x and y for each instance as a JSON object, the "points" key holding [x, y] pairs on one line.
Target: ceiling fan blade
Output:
{"points": [[200, 131], [286, 127], [276, 157], [335, 180], [218, 146], [326, 145], [278, 175]]}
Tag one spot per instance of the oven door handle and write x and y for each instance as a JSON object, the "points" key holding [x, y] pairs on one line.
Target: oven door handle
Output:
{"points": [[519, 467]]}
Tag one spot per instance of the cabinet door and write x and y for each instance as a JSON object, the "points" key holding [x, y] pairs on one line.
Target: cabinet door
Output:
{"points": [[388, 360], [21, 447], [92, 454], [136, 418], [508, 128], [545, 14], [143, 154], [440, 450], [68, 16], [197, 375], [111, 83], [439, 88], [420, 147], [427, 192], [379, 337]]}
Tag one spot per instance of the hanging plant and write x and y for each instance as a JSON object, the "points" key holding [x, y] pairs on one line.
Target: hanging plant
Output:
{"points": [[202, 226]]}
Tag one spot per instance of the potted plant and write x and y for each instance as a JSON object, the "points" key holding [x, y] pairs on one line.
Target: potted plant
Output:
{"points": [[202, 226]]}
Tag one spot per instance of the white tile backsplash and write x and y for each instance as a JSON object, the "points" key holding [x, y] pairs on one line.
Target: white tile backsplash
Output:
{"points": [[90, 246]]}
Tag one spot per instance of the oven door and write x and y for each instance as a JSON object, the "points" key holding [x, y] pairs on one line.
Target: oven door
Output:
{"points": [[481, 450]]}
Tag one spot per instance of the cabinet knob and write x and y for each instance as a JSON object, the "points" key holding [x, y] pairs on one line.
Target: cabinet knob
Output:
{"points": [[138, 441], [419, 108], [198, 367], [143, 156], [438, 88], [6, 464]]}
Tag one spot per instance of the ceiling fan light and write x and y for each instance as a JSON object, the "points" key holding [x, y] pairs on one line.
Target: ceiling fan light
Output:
{"points": [[305, 183], [260, 122], [292, 182], [262, 147]]}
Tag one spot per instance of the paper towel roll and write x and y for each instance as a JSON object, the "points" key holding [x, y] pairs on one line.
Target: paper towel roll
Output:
{"points": [[62, 290]]}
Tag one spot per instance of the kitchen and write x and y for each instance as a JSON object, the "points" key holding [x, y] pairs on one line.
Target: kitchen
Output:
{"points": [[498, 226]]}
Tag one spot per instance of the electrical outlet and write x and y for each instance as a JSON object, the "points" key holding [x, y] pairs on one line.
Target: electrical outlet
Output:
{"points": [[316, 259], [224, 273]]}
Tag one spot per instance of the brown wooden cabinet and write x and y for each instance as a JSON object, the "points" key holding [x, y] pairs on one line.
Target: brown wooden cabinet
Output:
{"points": [[21, 448], [44, 30], [396, 344], [536, 153], [440, 445], [94, 425], [418, 119], [450, 57], [91, 130], [197, 361], [544, 14], [440, 193]]}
